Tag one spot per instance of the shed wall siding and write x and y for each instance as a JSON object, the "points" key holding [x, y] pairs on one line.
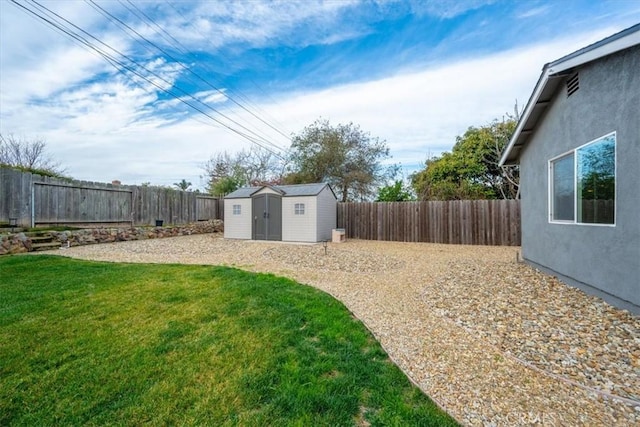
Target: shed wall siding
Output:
{"points": [[604, 257], [327, 214], [237, 226], [299, 228]]}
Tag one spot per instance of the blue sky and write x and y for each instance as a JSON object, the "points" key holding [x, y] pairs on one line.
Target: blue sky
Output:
{"points": [[414, 73]]}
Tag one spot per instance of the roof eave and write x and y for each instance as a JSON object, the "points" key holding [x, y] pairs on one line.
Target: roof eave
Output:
{"points": [[516, 138], [555, 70]]}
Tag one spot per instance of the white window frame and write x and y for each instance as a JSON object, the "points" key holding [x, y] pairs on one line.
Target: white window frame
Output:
{"points": [[299, 209], [552, 189], [237, 209], [575, 184]]}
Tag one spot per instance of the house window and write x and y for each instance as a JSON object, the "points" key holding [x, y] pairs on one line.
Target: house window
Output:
{"points": [[562, 188], [299, 209], [596, 181], [582, 183], [237, 209]]}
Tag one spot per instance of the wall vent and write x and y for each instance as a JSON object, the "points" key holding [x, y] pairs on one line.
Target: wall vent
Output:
{"points": [[573, 84]]}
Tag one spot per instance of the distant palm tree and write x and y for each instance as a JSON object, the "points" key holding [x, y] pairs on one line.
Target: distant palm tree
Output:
{"points": [[182, 185]]}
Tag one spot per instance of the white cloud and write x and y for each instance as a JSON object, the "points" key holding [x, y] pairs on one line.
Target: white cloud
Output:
{"points": [[211, 96], [113, 129], [447, 9], [260, 24], [417, 114], [39, 61], [529, 13], [73, 102], [50, 74], [422, 112]]}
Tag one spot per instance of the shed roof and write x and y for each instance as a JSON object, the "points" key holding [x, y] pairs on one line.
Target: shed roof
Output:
{"points": [[552, 75], [296, 190]]}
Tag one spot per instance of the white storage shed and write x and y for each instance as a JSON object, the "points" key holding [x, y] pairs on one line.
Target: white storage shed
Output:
{"points": [[291, 213]]}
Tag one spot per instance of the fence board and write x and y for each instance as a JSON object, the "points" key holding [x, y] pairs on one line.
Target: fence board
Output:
{"points": [[37, 200], [471, 222], [62, 203], [208, 208]]}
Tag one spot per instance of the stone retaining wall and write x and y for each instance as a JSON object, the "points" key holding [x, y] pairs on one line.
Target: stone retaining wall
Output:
{"points": [[21, 242]]}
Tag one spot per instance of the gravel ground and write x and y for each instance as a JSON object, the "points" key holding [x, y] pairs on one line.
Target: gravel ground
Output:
{"points": [[492, 341]]}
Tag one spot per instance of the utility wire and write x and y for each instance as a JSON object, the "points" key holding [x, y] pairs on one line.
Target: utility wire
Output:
{"points": [[170, 39], [120, 66], [113, 18], [179, 47], [186, 51], [240, 95]]}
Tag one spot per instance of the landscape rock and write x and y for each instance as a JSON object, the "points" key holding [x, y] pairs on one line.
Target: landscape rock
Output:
{"points": [[21, 242], [492, 341]]}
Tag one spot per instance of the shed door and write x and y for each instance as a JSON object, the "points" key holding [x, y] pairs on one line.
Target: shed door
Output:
{"points": [[259, 211], [267, 217], [274, 217]]}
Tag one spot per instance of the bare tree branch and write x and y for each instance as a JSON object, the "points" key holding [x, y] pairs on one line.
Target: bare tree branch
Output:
{"points": [[225, 172], [29, 155]]}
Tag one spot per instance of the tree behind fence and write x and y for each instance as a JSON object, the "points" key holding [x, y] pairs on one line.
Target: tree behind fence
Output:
{"points": [[51, 201], [472, 222]]}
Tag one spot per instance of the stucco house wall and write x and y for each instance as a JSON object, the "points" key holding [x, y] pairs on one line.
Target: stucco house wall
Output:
{"points": [[605, 257]]}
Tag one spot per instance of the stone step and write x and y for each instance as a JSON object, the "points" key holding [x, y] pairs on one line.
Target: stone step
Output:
{"points": [[44, 238], [36, 247]]}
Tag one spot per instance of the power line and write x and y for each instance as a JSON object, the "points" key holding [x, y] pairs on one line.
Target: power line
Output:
{"points": [[113, 18], [120, 66], [162, 30], [239, 94], [185, 50]]}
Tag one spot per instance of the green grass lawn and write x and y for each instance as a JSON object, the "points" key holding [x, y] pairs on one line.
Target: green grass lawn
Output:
{"points": [[89, 343]]}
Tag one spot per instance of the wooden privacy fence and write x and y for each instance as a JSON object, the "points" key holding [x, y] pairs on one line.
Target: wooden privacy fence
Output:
{"points": [[35, 200], [472, 222]]}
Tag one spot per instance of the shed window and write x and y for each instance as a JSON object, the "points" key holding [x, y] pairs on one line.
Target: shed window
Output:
{"points": [[582, 183], [237, 209], [299, 209]]}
